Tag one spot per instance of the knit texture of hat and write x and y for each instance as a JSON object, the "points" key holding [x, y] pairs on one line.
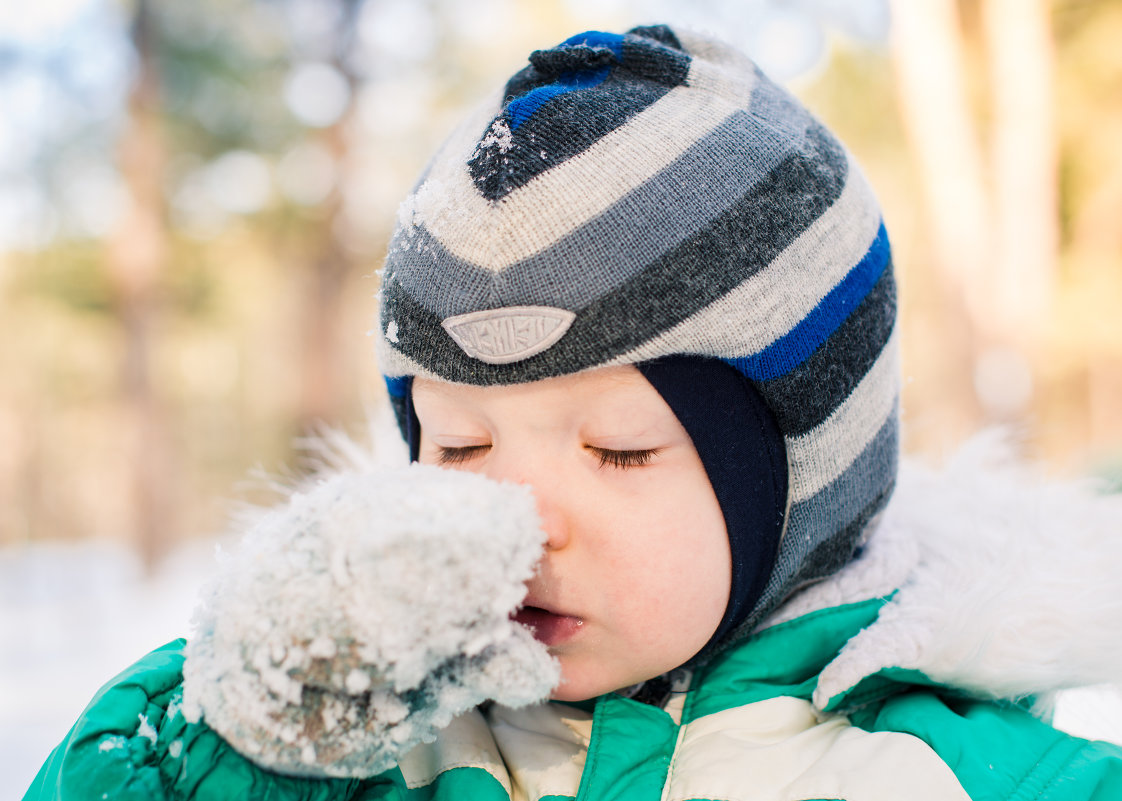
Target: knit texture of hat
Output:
{"points": [[650, 194]]}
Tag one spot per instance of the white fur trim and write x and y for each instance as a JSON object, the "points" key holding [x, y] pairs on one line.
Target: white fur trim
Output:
{"points": [[1017, 589]]}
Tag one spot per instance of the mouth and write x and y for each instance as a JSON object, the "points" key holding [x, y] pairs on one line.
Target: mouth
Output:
{"points": [[548, 628]]}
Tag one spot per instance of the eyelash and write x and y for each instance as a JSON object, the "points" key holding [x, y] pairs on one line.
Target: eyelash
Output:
{"points": [[624, 459], [448, 456], [618, 459]]}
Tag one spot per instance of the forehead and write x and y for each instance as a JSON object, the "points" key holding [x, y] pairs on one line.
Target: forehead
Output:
{"points": [[614, 391]]}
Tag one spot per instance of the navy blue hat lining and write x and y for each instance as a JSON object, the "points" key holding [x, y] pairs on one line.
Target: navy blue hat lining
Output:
{"points": [[740, 445]]}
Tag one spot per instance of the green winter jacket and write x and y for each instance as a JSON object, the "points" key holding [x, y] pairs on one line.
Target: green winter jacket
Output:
{"points": [[745, 729]]}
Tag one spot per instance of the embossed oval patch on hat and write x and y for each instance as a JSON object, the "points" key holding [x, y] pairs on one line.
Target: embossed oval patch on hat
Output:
{"points": [[501, 336]]}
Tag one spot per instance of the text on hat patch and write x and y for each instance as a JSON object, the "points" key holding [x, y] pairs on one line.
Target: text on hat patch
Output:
{"points": [[501, 336]]}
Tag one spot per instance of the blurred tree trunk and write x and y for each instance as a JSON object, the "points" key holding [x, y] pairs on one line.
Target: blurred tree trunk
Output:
{"points": [[322, 398], [928, 50], [929, 55], [1018, 40], [993, 213], [136, 254], [324, 385]]}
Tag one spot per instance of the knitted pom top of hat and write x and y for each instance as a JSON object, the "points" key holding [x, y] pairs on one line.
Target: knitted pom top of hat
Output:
{"points": [[629, 197]]}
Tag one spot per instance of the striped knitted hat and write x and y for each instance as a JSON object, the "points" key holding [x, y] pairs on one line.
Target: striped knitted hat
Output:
{"points": [[637, 196]]}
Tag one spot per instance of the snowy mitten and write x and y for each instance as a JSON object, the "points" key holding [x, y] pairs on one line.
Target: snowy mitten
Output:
{"points": [[366, 613]]}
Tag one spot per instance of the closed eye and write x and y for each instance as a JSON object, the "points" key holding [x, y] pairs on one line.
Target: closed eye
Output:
{"points": [[446, 456], [624, 459]]}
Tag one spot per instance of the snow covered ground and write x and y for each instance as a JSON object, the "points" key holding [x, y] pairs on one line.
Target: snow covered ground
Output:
{"points": [[71, 617]]}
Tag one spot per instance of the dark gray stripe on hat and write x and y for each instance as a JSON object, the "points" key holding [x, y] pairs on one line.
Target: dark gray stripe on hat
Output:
{"points": [[559, 130], [677, 284], [651, 63], [590, 93], [842, 499], [804, 397], [823, 531], [838, 504], [593, 259], [659, 33], [804, 559]]}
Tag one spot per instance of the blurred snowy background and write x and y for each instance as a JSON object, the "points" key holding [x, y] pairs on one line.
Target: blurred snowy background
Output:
{"points": [[72, 617], [194, 198]]}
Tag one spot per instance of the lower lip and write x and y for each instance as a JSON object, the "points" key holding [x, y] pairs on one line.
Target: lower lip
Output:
{"points": [[548, 628]]}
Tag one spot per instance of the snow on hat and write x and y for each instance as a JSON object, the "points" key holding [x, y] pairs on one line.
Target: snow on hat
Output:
{"points": [[637, 196]]}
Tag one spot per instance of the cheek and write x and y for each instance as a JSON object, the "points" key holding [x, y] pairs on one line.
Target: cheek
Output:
{"points": [[700, 569], [675, 560]]}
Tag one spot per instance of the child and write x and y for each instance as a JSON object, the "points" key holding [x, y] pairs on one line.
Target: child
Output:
{"points": [[648, 284]]}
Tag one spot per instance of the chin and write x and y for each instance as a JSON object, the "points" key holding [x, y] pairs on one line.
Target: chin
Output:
{"points": [[567, 694], [575, 688]]}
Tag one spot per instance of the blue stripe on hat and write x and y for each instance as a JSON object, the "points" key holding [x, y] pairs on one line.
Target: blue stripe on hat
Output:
{"points": [[569, 97], [612, 41], [522, 108], [794, 347]]}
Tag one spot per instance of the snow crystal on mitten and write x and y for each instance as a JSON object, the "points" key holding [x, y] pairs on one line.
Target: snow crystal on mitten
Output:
{"points": [[365, 614]]}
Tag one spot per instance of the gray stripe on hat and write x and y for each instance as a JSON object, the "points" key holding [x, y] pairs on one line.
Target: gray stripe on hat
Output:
{"points": [[493, 234], [486, 233], [644, 74], [769, 303], [763, 223], [836, 506], [593, 259], [817, 457], [807, 395]]}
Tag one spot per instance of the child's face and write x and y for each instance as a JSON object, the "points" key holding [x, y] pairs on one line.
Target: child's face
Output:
{"points": [[636, 573]]}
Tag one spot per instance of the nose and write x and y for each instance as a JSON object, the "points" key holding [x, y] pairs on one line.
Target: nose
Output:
{"points": [[555, 523], [548, 489]]}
